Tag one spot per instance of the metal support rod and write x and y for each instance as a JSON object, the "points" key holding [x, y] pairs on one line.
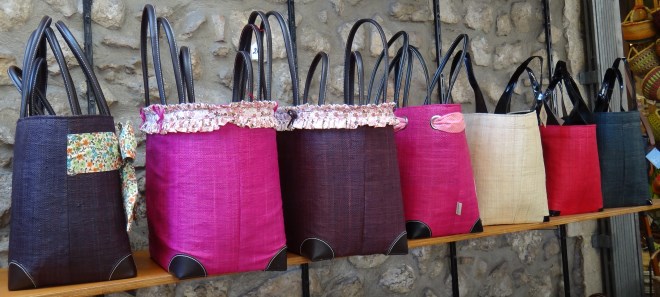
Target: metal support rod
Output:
{"points": [[438, 40], [548, 35], [292, 29], [454, 269], [304, 274], [564, 260], [87, 26]]}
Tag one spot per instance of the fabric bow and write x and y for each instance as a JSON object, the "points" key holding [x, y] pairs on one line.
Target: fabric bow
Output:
{"points": [[127, 150], [450, 123]]}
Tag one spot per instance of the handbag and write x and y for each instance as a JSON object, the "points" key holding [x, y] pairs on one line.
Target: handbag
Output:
{"points": [[621, 147], [437, 182], [507, 162], [212, 184], [570, 152], [339, 172], [68, 222]]}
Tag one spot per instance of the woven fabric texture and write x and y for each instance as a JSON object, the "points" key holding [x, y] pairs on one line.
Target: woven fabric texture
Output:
{"points": [[621, 151], [436, 172], [507, 161], [215, 197], [341, 187], [571, 168], [64, 229]]}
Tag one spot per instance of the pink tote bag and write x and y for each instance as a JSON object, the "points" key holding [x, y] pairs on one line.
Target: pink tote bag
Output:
{"points": [[212, 180], [434, 161]]}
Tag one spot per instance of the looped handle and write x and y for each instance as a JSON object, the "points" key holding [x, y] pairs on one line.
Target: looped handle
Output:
{"points": [[348, 88], [472, 80], [446, 94], [187, 73], [580, 115], [174, 55], [35, 75], [604, 96], [266, 69], [414, 52], [321, 57], [16, 76], [290, 55], [245, 44], [150, 25], [356, 64], [504, 103], [403, 51], [242, 73]]}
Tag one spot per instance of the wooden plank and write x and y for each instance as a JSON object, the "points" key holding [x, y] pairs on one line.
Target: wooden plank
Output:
{"points": [[150, 274]]}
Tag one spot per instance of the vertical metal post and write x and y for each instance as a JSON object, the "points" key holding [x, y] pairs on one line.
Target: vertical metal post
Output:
{"points": [[292, 28], [564, 260], [438, 40], [87, 26], [304, 274], [548, 35], [454, 269]]}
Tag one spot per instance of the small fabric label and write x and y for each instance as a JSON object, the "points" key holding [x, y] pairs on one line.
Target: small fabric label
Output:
{"points": [[654, 157], [459, 208], [92, 152], [254, 52]]}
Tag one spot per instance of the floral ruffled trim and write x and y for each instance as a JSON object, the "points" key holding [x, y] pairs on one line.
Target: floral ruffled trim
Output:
{"points": [[202, 117], [335, 116]]}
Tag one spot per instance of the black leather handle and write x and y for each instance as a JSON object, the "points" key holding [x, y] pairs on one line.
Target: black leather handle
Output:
{"points": [[504, 103], [242, 75], [245, 44], [85, 66], [425, 70], [149, 26], [266, 69], [290, 55], [403, 50], [34, 76], [187, 73], [174, 54], [604, 95], [348, 94], [580, 114], [446, 94], [356, 64], [69, 87], [480, 103], [16, 76], [35, 47], [321, 57]]}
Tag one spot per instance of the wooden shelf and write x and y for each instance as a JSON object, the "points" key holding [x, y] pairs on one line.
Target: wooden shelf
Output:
{"points": [[150, 274]]}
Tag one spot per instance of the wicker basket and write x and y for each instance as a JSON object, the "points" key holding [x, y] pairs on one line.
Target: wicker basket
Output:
{"points": [[651, 84], [654, 121], [642, 61], [638, 26]]}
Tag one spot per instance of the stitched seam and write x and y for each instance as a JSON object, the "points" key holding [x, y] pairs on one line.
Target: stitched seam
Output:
{"points": [[389, 250], [273, 258], [24, 271], [117, 265], [186, 256], [427, 226], [301, 244]]}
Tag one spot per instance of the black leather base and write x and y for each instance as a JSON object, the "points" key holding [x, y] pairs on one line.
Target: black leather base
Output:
{"points": [[400, 247], [554, 213], [417, 229], [477, 227], [316, 250], [125, 269], [18, 279], [184, 266], [546, 219], [277, 262]]}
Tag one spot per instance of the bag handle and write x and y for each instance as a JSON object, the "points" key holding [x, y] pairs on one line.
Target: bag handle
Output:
{"points": [[290, 55], [150, 25], [580, 114], [348, 88], [16, 76], [85, 66], [242, 73], [35, 47], [604, 96], [174, 54], [35, 76], [446, 95], [403, 51], [245, 44], [69, 87], [187, 73], [266, 69], [472, 80], [321, 57], [397, 63], [356, 64], [504, 103]]}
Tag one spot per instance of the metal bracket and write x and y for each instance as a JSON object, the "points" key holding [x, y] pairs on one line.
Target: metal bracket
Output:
{"points": [[601, 241]]}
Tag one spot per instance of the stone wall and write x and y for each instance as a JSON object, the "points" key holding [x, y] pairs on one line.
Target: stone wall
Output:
{"points": [[503, 33]]}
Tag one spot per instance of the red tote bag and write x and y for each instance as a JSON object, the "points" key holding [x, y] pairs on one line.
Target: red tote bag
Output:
{"points": [[570, 153]]}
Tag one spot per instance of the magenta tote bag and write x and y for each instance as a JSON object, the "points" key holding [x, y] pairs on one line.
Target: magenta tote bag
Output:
{"points": [[434, 161], [212, 181]]}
